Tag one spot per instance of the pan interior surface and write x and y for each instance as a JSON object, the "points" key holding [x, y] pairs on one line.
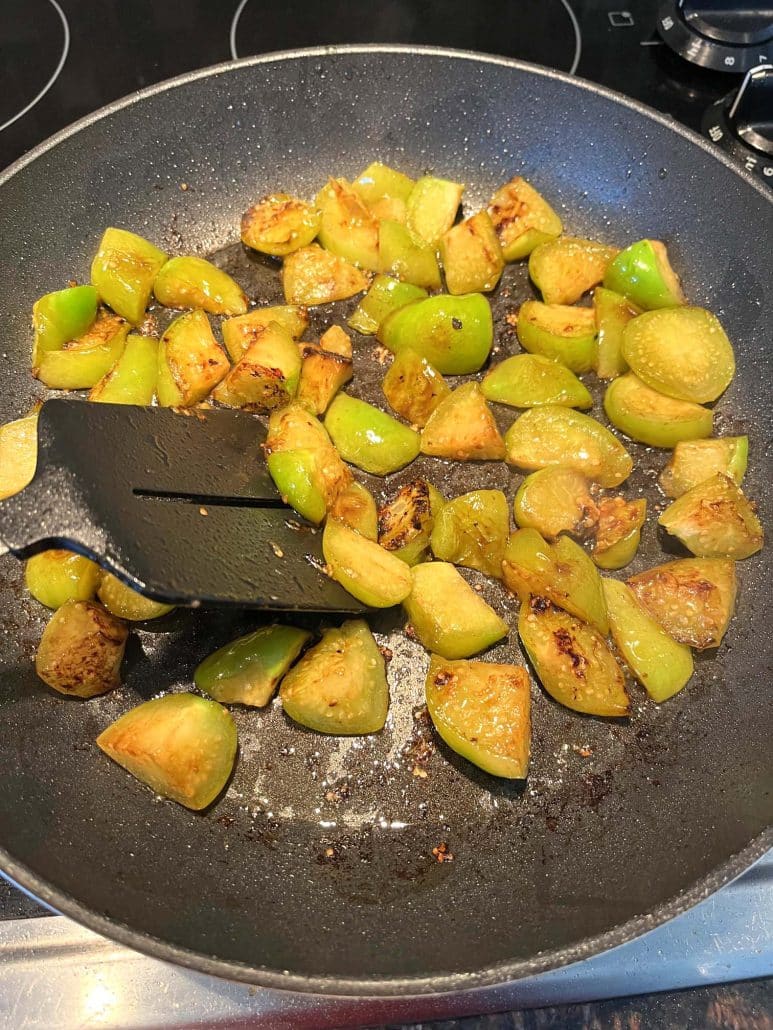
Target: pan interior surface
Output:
{"points": [[319, 868]]}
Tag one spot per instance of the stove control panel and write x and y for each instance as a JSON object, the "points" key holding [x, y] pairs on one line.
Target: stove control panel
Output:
{"points": [[723, 35], [742, 122]]}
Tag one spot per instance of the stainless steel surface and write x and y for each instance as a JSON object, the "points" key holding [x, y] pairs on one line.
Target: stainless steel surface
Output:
{"points": [[57, 974]]}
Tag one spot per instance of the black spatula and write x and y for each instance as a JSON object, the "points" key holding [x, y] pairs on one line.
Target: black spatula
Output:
{"points": [[180, 506]]}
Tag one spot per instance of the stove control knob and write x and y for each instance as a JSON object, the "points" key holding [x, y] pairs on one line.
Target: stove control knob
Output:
{"points": [[742, 122], [724, 35]]}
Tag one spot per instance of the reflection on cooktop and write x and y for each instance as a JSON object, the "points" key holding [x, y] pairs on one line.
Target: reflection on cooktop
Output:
{"points": [[28, 71]]}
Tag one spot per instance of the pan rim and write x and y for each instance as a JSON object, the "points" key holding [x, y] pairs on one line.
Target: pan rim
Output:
{"points": [[383, 48], [384, 987]]}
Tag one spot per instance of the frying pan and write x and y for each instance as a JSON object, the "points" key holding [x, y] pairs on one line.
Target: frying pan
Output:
{"points": [[316, 871]]}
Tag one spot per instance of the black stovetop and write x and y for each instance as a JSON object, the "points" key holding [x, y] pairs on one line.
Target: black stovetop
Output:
{"points": [[76, 55]]}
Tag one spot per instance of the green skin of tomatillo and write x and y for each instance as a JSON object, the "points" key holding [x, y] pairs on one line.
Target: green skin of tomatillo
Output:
{"points": [[247, 670], [132, 380], [55, 577], [640, 274], [62, 316], [561, 572], [192, 282], [368, 437], [554, 435], [472, 530], [447, 615], [454, 334], [123, 271], [530, 380], [361, 566], [650, 417], [621, 553], [406, 256], [657, 661], [559, 332], [384, 296], [613, 312], [294, 474]]}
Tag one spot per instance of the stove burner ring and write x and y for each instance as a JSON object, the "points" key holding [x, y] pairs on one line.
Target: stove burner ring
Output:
{"points": [[565, 3], [56, 73]]}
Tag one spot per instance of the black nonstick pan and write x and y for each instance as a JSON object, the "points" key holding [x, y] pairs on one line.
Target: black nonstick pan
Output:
{"points": [[318, 870]]}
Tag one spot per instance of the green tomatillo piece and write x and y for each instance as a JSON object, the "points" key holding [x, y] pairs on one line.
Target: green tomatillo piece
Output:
{"points": [[125, 603], [193, 282], [561, 572], [18, 454], [240, 333], [613, 312], [560, 332], [347, 228], [132, 379], [447, 615], [123, 272], [81, 363], [643, 273], [463, 428], [694, 461], [522, 218], [482, 711], [681, 352], [190, 361], [472, 530], [81, 650], [652, 418], [367, 437], [365, 569], [312, 275], [555, 500], [405, 523], [431, 207], [406, 256], [565, 268], [618, 531], [279, 224], [658, 662], [530, 380], [57, 576], [454, 334], [555, 435], [356, 507], [302, 461], [182, 746], [379, 182], [691, 598], [60, 317], [413, 387], [572, 660], [267, 375], [471, 255], [715, 520], [340, 685], [248, 670], [384, 296]]}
